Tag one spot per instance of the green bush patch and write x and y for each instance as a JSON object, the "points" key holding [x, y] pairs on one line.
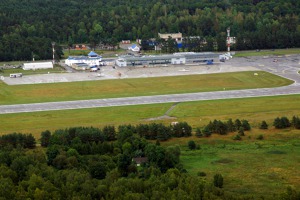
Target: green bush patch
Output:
{"points": [[276, 152], [223, 161]]}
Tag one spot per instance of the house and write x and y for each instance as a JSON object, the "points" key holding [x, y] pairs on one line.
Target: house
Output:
{"points": [[176, 36], [134, 48], [140, 160]]}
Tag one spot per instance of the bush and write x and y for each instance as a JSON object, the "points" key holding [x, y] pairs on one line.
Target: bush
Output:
{"points": [[218, 180], [192, 145], [198, 132], [237, 137], [263, 125], [241, 132], [201, 174], [206, 132], [260, 137], [282, 122]]}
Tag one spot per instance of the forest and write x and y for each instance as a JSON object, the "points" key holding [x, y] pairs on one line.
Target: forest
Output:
{"points": [[102, 163], [28, 27]]}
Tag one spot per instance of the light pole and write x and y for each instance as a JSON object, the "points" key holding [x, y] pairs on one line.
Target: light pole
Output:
{"points": [[53, 44]]}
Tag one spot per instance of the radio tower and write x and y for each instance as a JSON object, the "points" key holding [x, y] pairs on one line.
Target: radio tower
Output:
{"points": [[228, 40], [53, 44]]}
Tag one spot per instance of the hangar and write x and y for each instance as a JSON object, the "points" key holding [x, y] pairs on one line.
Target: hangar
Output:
{"points": [[37, 65]]}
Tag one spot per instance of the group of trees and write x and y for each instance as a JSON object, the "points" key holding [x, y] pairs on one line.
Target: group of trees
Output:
{"points": [[255, 24], [152, 131], [18, 140], [284, 122], [222, 128]]}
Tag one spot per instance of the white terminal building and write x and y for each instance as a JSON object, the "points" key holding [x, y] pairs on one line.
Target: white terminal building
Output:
{"points": [[93, 59], [175, 59]]}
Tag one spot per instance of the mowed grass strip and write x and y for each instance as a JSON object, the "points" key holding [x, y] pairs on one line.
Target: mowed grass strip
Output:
{"points": [[37, 122], [197, 114], [253, 109], [17, 94]]}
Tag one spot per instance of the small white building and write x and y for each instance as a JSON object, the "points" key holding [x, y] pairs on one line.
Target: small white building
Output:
{"points": [[92, 59], [37, 65]]}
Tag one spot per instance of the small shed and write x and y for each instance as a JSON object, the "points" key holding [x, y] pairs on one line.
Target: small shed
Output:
{"points": [[37, 65]]}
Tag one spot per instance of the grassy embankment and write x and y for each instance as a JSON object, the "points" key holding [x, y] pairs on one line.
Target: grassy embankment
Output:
{"points": [[137, 87]]}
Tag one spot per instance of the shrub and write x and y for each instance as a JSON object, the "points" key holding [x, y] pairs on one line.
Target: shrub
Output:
{"points": [[201, 174], [218, 180], [237, 137], [263, 125], [206, 132], [192, 145], [260, 137], [241, 131], [198, 132], [282, 122]]}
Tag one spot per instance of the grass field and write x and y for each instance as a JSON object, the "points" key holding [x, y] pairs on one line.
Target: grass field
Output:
{"points": [[277, 52], [254, 167], [137, 87]]}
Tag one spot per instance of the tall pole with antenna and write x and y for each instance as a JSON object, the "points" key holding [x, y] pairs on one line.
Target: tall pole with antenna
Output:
{"points": [[53, 49], [228, 40]]}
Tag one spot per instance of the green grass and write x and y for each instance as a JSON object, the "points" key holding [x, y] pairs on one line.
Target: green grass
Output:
{"points": [[137, 87], [247, 166], [277, 52]]}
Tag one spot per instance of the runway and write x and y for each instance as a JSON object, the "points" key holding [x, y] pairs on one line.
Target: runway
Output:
{"points": [[290, 72]]}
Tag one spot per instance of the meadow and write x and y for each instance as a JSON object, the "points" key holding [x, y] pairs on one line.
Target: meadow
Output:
{"points": [[35, 93]]}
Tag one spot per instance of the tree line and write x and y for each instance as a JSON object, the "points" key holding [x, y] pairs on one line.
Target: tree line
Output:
{"points": [[29, 27]]}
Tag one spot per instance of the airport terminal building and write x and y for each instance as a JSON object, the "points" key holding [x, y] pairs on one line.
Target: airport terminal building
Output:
{"points": [[91, 60], [175, 59]]}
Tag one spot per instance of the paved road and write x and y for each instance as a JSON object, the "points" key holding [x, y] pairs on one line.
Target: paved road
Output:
{"points": [[289, 71]]}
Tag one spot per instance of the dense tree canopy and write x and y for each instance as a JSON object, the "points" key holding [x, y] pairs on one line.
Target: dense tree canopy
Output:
{"points": [[28, 27]]}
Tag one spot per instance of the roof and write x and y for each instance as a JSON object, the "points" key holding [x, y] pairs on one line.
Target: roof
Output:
{"points": [[93, 54], [140, 160], [83, 58], [172, 35]]}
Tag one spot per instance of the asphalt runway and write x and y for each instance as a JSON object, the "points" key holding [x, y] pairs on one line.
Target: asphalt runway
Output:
{"points": [[287, 67]]}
